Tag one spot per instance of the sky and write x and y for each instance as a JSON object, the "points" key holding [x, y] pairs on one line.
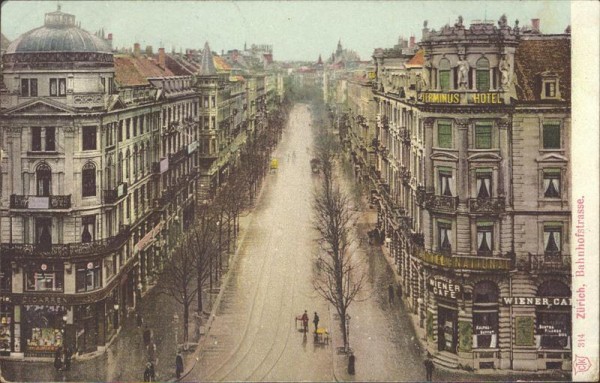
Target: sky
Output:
{"points": [[297, 30]]}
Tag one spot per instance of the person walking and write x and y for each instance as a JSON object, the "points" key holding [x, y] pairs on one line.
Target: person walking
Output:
{"points": [[429, 366], [399, 292], [149, 374], [178, 365], [147, 335], [390, 294], [57, 360], [316, 321], [305, 321]]}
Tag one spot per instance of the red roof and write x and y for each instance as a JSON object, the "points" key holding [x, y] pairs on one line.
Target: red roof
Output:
{"points": [[221, 64], [131, 71], [418, 59]]}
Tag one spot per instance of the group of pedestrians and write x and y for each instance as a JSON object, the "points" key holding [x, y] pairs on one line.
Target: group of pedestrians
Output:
{"points": [[62, 358], [305, 322]]}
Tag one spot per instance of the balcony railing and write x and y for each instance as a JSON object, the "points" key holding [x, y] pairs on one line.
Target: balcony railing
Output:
{"points": [[113, 195], [549, 262], [487, 205], [440, 203], [66, 250], [35, 202], [462, 262]]}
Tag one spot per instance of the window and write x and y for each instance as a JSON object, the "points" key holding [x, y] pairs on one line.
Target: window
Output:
{"points": [[484, 184], [552, 240], [483, 136], [89, 276], [212, 101], [445, 237], [88, 228], [142, 118], [6, 276], [127, 128], [135, 126], [29, 87], [89, 138], [43, 176], [120, 132], [446, 185], [551, 136], [553, 323], [444, 74], [482, 75], [43, 233], [552, 183], [58, 87], [45, 277], [88, 180], [485, 315], [485, 243], [205, 99], [444, 134], [50, 138], [550, 88], [206, 125], [36, 139]]}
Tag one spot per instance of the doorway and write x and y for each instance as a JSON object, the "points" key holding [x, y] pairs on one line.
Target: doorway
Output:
{"points": [[447, 329]]}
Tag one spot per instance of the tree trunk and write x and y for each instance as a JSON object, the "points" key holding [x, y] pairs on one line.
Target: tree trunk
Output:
{"points": [[186, 317]]}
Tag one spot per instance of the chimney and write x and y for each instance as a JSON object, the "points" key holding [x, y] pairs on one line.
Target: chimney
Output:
{"points": [[161, 57], [136, 49], [149, 50], [535, 25], [411, 44], [109, 40]]}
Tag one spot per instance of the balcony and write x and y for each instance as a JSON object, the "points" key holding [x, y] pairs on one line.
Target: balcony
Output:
{"points": [[113, 195], [462, 262], [547, 262], [35, 202], [178, 156], [440, 203], [487, 205], [68, 250]]}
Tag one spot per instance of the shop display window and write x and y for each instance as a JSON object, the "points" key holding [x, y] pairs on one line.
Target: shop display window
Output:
{"points": [[43, 327], [6, 320], [485, 315], [553, 323], [45, 277]]}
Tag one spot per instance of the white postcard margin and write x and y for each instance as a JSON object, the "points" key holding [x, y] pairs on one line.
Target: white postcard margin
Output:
{"points": [[585, 173]]}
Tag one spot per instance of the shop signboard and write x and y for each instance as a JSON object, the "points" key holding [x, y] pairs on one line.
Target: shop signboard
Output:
{"points": [[524, 331], [455, 98], [536, 301], [444, 287], [121, 190], [192, 147], [149, 237], [164, 165]]}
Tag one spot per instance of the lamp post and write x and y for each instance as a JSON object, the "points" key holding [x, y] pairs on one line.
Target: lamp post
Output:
{"points": [[175, 325]]}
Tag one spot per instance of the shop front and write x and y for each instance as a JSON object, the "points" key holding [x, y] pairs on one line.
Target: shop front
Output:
{"points": [[43, 329], [6, 326], [445, 292], [553, 326], [485, 325]]}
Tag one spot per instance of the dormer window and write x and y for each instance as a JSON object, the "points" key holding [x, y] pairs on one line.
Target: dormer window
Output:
{"points": [[549, 86]]}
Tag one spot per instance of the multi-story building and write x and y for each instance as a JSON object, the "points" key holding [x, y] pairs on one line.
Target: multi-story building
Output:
{"points": [[98, 166], [471, 171]]}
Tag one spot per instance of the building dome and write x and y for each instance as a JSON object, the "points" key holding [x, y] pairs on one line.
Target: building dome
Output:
{"points": [[59, 34]]}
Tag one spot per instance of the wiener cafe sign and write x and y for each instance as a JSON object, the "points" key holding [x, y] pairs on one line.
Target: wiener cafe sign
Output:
{"points": [[455, 98], [444, 287], [536, 301]]}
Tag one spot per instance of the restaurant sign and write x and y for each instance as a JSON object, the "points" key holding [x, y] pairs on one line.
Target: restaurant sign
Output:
{"points": [[444, 287], [455, 98], [536, 301], [149, 238]]}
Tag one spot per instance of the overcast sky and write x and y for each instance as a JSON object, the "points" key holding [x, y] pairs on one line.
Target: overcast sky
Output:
{"points": [[298, 30]]}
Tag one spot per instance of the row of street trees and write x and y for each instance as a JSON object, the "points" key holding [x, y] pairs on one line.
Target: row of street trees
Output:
{"points": [[203, 249], [340, 279]]}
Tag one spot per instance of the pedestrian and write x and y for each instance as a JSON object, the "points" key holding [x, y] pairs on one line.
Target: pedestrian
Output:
{"points": [[399, 292], [351, 362], [390, 293], [179, 365], [149, 375], [151, 352], [305, 321], [57, 360], [139, 319], [429, 367], [316, 321], [147, 335], [68, 355]]}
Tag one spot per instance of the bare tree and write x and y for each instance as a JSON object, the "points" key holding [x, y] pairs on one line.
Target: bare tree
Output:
{"points": [[178, 277], [340, 280]]}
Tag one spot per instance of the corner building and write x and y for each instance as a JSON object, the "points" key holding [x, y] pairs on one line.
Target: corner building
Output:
{"points": [[99, 167], [472, 186]]}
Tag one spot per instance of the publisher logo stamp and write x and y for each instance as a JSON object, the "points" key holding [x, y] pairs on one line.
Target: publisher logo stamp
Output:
{"points": [[582, 364]]}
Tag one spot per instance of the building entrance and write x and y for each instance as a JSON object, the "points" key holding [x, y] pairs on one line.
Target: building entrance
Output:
{"points": [[447, 329]]}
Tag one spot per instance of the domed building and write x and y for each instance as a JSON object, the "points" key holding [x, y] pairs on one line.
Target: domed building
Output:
{"points": [[82, 179]]}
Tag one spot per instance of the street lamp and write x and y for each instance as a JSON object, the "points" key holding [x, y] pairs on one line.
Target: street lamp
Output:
{"points": [[175, 325]]}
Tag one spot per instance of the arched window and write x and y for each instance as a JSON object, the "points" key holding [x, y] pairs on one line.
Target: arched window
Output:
{"points": [[88, 180], [485, 315], [444, 74], [482, 74], [43, 175]]}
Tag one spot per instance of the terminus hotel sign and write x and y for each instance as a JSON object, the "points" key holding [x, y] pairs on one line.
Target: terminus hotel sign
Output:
{"points": [[456, 99]]}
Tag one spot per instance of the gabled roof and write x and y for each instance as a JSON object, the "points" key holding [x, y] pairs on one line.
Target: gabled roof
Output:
{"points": [[40, 106], [134, 71], [417, 60], [220, 64], [207, 65], [535, 57]]}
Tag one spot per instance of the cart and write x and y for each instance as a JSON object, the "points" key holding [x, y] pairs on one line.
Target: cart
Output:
{"points": [[322, 336]]}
